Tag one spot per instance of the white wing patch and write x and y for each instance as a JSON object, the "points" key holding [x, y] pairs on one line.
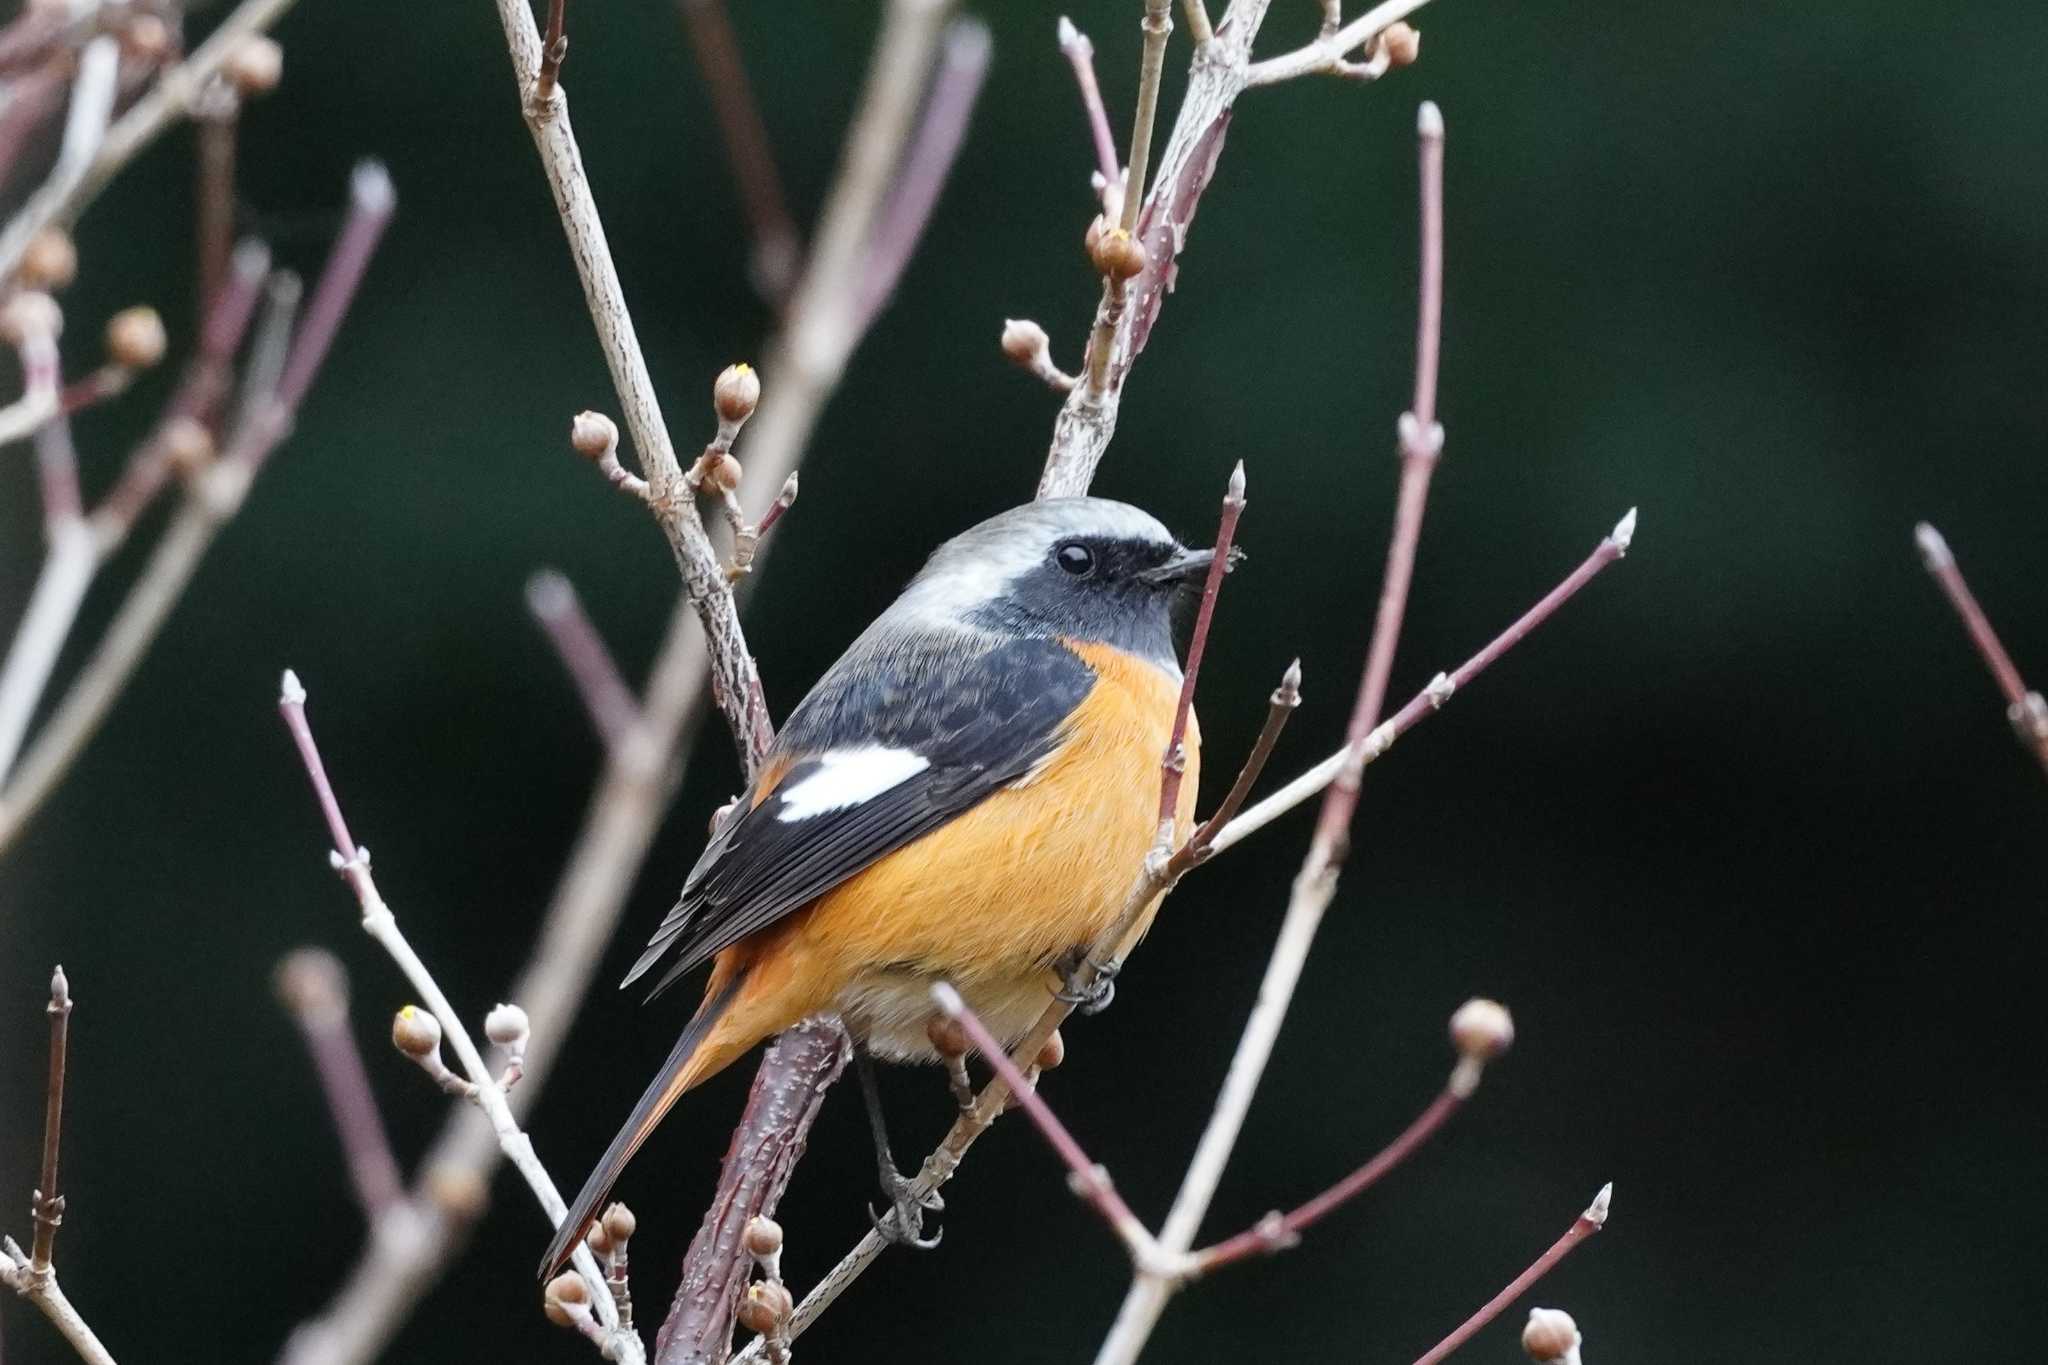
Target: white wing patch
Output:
{"points": [[847, 777]]}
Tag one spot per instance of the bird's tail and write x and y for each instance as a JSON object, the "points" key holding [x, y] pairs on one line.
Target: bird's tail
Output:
{"points": [[683, 1069]]}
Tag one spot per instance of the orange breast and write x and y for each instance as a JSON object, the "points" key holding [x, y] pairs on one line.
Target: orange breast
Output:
{"points": [[990, 899]]}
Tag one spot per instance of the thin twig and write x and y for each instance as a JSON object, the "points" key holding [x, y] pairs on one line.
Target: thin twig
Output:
{"points": [[670, 497], [1326, 54], [2024, 707], [49, 1202], [1280, 708], [212, 499], [610, 704], [900, 223], [776, 250], [1086, 1177], [172, 97], [554, 47], [1584, 1226], [1080, 54], [314, 989], [219, 124], [352, 862]]}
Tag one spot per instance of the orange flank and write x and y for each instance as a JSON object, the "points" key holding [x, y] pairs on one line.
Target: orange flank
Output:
{"points": [[987, 901]]}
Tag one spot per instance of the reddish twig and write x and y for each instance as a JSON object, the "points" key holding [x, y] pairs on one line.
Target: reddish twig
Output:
{"points": [[49, 1204], [554, 48], [2024, 707], [777, 249], [1432, 697], [1584, 1226], [1481, 1030], [611, 705], [314, 990], [218, 120], [1173, 765], [788, 1089], [1280, 708], [900, 224], [1086, 1177], [1080, 53]]}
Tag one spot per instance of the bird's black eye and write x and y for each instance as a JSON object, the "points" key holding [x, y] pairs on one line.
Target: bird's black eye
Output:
{"points": [[1076, 558]]}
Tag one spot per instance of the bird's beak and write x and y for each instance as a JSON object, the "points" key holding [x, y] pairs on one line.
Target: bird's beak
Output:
{"points": [[1185, 565]]}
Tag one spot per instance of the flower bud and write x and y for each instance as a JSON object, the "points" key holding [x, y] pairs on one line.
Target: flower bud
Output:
{"points": [[766, 1307], [135, 338], [566, 1299], [457, 1192], [1053, 1053], [311, 984], [763, 1236], [49, 261], [415, 1032], [255, 66], [736, 393], [1482, 1029], [1117, 254], [593, 435], [1024, 341], [1401, 43], [720, 471], [146, 38], [948, 1037], [619, 1224], [506, 1026], [1550, 1335], [187, 444], [30, 313]]}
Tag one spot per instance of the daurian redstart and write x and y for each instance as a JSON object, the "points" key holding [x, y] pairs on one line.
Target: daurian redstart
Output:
{"points": [[964, 797]]}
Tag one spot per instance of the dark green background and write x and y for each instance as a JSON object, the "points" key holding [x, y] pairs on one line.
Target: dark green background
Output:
{"points": [[1742, 837]]}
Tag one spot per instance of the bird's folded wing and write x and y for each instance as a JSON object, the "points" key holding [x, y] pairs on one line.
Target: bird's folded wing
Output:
{"points": [[893, 742]]}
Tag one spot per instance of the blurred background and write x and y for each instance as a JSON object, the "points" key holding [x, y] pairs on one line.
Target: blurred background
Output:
{"points": [[1742, 837]]}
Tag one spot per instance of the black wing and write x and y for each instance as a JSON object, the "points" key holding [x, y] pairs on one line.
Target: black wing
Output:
{"points": [[979, 712]]}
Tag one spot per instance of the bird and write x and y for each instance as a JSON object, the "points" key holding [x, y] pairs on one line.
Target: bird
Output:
{"points": [[965, 796]]}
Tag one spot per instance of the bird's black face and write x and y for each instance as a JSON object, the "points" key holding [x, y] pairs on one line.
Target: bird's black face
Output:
{"points": [[1115, 590]]}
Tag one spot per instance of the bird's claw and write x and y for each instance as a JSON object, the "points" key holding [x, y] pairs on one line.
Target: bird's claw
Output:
{"points": [[1095, 995], [903, 1224]]}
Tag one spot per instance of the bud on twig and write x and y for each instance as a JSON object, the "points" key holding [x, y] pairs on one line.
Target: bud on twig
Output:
{"points": [[415, 1032], [187, 445], [736, 393], [1028, 348], [1117, 255], [948, 1037], [566, 1300], [619, 1225], [1551, 1336], [506, 1025], [593, 435], [1401, 44], [1053, 1053], [766, 1308], [1481, 1030], [255, 66], [50, 261], [135, 338]]}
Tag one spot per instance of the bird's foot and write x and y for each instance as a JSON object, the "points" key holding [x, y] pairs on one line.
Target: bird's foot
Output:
{"points": [[1089, 985], [903, 1224]]}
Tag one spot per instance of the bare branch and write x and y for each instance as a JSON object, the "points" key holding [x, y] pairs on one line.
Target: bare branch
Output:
{"points": [[1431, 698], [777, 250], [2024, 707], [670, 497], [962, 65], [214, 495], [1584, 1226], [1080, 53], [614, 711], [61, 199], [1326, 54], [1086, 1177], [1481, 1031], [352, 862], [1280, 708], [313, 988]]}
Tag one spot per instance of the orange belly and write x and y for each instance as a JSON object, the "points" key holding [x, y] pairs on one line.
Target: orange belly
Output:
{"points": [[989, 900]]}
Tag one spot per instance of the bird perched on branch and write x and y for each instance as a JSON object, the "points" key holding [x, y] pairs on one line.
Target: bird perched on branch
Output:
{"points": [[966, 796]]}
